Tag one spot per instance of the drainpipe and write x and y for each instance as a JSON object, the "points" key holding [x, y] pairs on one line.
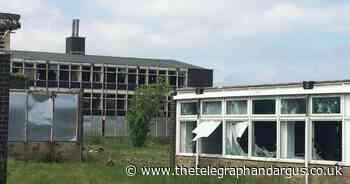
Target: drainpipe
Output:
{"points": [[307, 125]]}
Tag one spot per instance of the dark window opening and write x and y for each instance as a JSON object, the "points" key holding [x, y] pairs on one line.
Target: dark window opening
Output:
{"points": [[172, 81], [264, 138], [213, 143], [264, 107], [142, 79], [327, 140]]}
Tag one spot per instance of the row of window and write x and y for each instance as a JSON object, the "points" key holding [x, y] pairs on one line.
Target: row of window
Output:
{"points": [[320, 105], [326, 141]]}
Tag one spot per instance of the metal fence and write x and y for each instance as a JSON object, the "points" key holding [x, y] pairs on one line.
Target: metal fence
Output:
{"points": [[116, 126]]}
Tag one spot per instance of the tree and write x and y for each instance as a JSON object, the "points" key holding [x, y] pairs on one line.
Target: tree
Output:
{"points": [[145, 105]]}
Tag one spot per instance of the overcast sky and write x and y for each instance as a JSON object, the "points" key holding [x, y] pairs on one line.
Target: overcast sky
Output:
{"points": [[245, 41]]}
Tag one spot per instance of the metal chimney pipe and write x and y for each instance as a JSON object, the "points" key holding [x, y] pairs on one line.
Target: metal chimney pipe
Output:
{"points": [[75, 28]]}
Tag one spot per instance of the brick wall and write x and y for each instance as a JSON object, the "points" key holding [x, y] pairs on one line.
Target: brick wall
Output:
{"points": [[4, 111], [188, 161]]}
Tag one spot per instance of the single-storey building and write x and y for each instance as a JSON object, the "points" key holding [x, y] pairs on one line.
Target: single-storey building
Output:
{"points": [[294, 123]]}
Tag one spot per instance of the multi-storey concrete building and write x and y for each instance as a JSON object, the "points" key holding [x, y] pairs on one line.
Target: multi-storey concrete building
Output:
{"points": [[108, 83]]}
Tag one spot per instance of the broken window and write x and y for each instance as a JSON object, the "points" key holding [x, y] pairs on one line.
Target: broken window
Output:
{"points": [[152, 76], [172, 81], [236, 107], [212, 144], [64, 76], [327, 140], [53, 75], [86, 76], [293, 139], [293, 106], [96, 104], [264, 139], [17, 117], [41, 75], [264, 106], [17, 68], [122, 79], [325, 105], [236, 138], [29, 71], [39, 117], [211, 108], [181, 79], [142, 76], [86, 103], [75, 76], [66, 117], [131, 79], [186, 136], [189, 108]]}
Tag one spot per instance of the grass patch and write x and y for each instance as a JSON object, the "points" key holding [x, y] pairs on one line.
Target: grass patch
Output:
{"points": [[95, 169]]}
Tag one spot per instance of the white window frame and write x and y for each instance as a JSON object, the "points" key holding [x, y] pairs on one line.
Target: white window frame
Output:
{"points": [[308, 118], [293, 115], [213, 115], [189, 116], [277, 109], [199, 144], [311, 148], [224, 138], [236, 99], [312, 114]]}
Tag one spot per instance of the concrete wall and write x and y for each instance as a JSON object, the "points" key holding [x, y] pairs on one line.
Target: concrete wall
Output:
{"points": [[4, 111], [45, 151], [189, 161]]}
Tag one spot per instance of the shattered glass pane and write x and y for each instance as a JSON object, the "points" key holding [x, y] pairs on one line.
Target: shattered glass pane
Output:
{"points": [[264, 138], [17, 117], [327, 140], [65, 117], [236, 107], [325, 105], [236, 138], [39, 117], [189, 108], [293, 106]]}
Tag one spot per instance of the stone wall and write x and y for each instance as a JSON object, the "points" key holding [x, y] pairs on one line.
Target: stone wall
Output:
{"points": [[189, 161], [4, 111]]}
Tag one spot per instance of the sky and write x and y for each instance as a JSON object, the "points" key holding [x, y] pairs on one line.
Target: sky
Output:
{"points": [[243, 41]]}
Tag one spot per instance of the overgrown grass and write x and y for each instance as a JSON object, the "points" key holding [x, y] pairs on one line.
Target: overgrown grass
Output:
{"points": [[95, 169]]}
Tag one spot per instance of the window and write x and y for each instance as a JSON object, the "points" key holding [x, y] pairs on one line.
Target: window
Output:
{"points": [[236, 107], [264, 138], [186, 136], [189, 108], [236, 138], [211, 108], [293, 106], [325, 105], [213, 143], [264, 107], [327, 140], [293, 139]]}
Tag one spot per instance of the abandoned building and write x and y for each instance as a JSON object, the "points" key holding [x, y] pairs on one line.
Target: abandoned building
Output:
{"points": [[281, 123], [107, 82]]}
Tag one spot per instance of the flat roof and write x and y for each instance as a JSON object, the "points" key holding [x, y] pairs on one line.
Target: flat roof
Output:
{"points": [[96, 59], [277, 89]]}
